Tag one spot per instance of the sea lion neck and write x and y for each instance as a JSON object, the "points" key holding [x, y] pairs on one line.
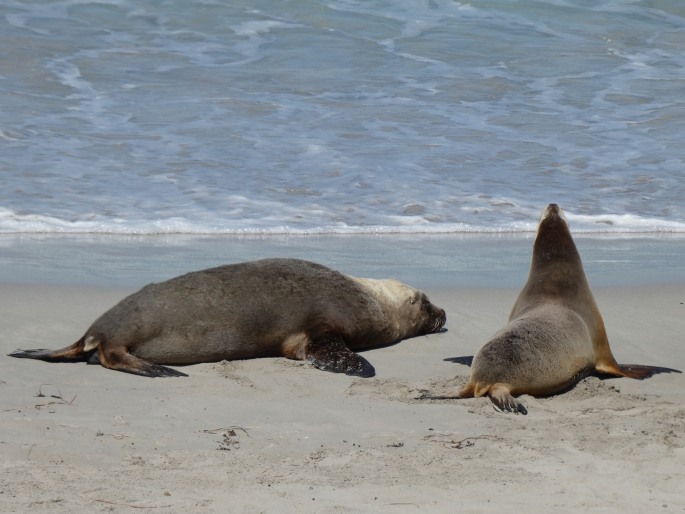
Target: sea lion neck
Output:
{"points": [[556, 265], [554, 244]]}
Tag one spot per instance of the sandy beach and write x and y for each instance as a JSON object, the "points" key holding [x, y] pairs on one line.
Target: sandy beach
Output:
{"points": [[420, 141], [273, 435]]}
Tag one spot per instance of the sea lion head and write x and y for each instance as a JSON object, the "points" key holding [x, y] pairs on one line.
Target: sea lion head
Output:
{"points": [[430, 317], [553, 243], [556, 268], [408, 309]]}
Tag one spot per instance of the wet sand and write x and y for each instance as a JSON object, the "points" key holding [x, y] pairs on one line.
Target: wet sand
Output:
{"points": [[274, 435]]}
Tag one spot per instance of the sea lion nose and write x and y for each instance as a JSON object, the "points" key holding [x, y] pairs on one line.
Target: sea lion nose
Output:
{"points": [[552, 210], [441, 316]]}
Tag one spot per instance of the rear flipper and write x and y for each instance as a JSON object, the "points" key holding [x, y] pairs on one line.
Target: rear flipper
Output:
{"points": [[466, 360], [74, 353], [120, 359], [330, 353], [499, 394], [503, 400], [465, 392], [637, 371]]}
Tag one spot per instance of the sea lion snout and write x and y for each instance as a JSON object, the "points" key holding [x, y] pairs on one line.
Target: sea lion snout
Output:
{"points": [[552, 211], [435, 320]]}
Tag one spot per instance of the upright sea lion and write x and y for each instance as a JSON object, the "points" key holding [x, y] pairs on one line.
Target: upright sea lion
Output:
{"points": [[555, 335], [273, 307]]}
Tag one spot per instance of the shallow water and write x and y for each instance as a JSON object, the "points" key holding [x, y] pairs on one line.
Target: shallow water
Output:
{"points": [[425, 261]]}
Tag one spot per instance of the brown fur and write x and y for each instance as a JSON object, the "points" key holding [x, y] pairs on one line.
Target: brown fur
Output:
{"points": [[555, 335], [272, 307]]}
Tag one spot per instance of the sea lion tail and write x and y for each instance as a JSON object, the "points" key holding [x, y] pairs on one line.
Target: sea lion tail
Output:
{"points": [[74, 353]]}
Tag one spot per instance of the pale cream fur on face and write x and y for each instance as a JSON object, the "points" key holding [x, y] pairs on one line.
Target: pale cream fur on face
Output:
{"points": [[392, 291], [400, 302]]}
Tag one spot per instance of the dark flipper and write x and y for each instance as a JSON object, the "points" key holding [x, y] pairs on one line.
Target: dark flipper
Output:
{"points": [[120, 360], [73, 353], [94, 358], [468, 391], [427, 395], [117, 359], [152, 370], [329, 353], [501, 397], [640, 372], [466, 360], [39, 354]]}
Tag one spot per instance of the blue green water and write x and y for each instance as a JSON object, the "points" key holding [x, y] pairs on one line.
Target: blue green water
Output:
{"points": [[343, 116]]}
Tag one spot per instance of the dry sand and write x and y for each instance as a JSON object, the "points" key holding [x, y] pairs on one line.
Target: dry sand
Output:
{"points": [[272, 435]]}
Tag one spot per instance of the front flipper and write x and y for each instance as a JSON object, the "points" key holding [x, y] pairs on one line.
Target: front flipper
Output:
{"points": [[329, 353]]}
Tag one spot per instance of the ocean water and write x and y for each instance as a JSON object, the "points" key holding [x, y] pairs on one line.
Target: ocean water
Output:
{"points": [[306, 117], [434, 261]]}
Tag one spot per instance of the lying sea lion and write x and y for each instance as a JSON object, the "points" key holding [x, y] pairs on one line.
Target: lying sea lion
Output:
{"points": [[555, 335], [273, 307]]}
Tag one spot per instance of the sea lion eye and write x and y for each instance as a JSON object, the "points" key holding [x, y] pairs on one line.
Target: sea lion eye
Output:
{"points": [[412, 301]]}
